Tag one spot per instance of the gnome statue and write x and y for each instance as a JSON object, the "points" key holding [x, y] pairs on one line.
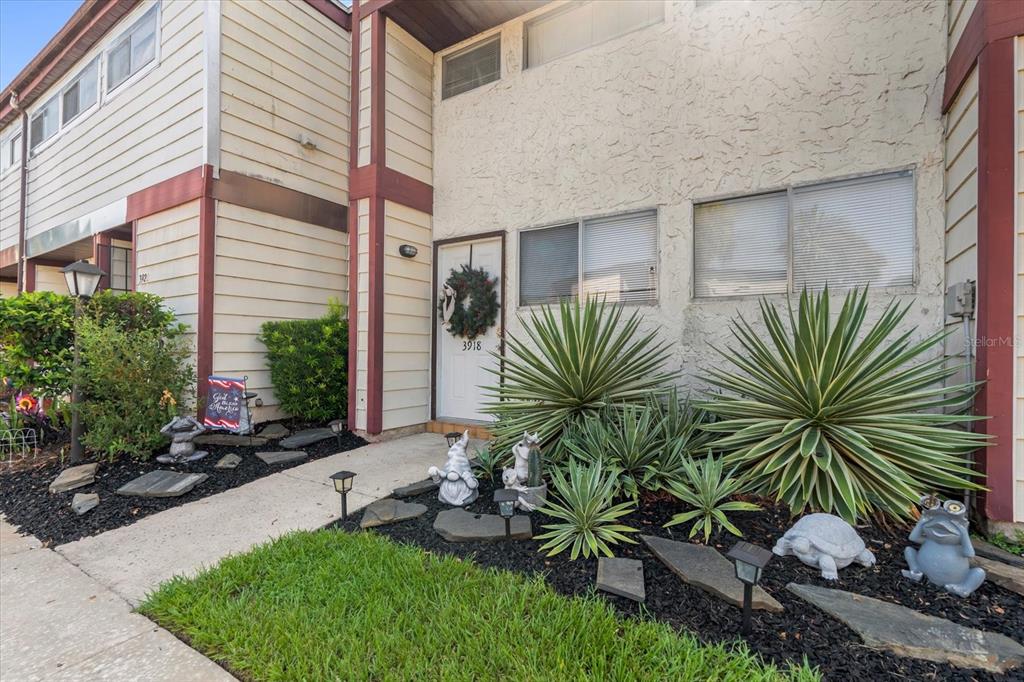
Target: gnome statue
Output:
{"points": [[458, 486], [181, 431]]}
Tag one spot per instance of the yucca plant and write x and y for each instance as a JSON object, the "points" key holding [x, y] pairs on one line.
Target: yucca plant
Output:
{"points": [[823, 417], [683, 434], [585, 505], [704, 486], [627, 441], [485, 462], [575, 360]]}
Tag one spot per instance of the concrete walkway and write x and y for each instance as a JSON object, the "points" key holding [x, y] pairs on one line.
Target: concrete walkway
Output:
{"points": [[66, 613]]}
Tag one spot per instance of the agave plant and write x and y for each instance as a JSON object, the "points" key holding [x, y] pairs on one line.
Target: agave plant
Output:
{"points": [[574, 362], [485, 462], [628, 441], [703, 487], [589, 517], [683, 435], [825, 418]]}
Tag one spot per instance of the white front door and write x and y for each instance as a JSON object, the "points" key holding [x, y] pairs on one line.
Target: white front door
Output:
{"points": [[462, 364]]}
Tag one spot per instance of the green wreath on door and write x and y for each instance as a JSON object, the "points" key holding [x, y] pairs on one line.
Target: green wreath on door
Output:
{"points": [[477, 287]]}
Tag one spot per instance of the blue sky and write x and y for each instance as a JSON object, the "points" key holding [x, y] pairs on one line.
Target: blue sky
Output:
{"points": [[25, 27]]}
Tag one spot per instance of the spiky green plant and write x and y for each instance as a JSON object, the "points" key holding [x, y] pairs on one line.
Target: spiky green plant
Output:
{"points": [[703, 486], [587, 510], [825, 418], [627, 441], [683, 434], [574, 361], [485, 462]]}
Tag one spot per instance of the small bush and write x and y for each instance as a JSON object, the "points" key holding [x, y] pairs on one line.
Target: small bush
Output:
{"points": [[627, 441], [132, 383], [707, 488], [308, 362]]}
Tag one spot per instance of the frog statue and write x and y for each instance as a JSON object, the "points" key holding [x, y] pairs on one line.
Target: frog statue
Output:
{"points": [[458, 486], [946, 550]]}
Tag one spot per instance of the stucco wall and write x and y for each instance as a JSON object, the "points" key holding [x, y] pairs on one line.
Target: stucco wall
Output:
{"points": [[720, 98]]}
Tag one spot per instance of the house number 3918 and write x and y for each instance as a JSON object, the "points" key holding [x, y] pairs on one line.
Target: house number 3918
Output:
{"points": [[472, 345]]}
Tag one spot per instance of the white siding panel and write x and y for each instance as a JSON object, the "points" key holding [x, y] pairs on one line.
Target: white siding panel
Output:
{"points": [[362, 318], [365, 101], [145, 132], [269, 268], [408, 315], [285, 81], [9, 193], [408, 115]]}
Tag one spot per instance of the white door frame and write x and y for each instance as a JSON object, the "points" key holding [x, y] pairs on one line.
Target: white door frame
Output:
{"points": [[434, 288]]}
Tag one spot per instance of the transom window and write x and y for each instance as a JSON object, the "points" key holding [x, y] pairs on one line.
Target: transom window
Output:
{"points": [[843, 234], [135, 49], [580, 25], [471, 67], [613, 256]]}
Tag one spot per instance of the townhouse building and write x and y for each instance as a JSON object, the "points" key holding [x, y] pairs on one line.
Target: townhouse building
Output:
{"points": [[251, 160]]}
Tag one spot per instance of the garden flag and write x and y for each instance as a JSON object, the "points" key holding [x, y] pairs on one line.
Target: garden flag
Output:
{"points": [[225, 399]]}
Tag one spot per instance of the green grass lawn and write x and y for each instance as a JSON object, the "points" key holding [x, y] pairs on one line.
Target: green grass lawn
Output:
{"points": [[331, 605]]}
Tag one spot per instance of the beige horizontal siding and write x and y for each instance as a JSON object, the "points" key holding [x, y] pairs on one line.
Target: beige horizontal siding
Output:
{"points": [[408, 315], [408, 123], [362, 317], [285, 79], [958, 13], [365, 100], [143, 133], [269, 268], [167, 260], [8, 289], [50, 278], [10, 203], [961, 154]]}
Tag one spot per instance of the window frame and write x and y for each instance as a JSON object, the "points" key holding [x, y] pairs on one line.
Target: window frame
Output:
{"points": [[7, 147], [568, 7], [486, 40], [108, 91], [580, 271], [866, 176], [82, 113], [33, 150]]}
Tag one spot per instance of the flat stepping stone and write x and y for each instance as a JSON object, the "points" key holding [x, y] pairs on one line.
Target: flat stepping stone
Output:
{"points": [[229, 439], [161, 483], [383, 512], [274, 431], [83, 502], [282, 457], [459, 525], [623, 577], [228, 461], [74, 477], [905, 632], [1006, 576], [168, 458], [414, 489], [301, 439], [705, 568], [990, 551]]}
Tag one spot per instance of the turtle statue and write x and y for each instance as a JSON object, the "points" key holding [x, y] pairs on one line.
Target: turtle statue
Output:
{"points": [[826, 542]]}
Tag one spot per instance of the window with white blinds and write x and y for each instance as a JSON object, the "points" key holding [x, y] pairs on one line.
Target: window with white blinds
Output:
{"points": [[472, 67], [848, 234], [844, 234], [615, 257], [740, 246], [577, 26]]}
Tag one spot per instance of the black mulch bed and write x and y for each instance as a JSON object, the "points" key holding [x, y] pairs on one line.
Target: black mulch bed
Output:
{"points": [[26, 502], [802, 630]]}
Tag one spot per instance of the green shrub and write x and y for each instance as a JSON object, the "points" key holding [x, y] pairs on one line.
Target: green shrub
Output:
{"points": [[132, 383], [308, 362], [704, 487], [576, 362], [130, 310], [822, 417], [587, 512], [628, 443], [486, 462], [684, 434]]}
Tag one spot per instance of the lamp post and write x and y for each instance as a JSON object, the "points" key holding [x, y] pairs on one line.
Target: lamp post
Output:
{"points": [[452, 437], [750, 560], [337, 426], [82, 279], [506, 499], [342, 484]]}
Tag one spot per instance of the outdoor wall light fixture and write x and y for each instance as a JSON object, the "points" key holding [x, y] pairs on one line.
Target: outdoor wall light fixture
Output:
{"points": [[452, 437], [337, 426], [750, 561], [82, 278], [342, 484], [506, 499], [408, 251]]}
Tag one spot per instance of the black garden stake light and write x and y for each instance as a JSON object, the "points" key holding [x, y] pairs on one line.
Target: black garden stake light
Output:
{"points": [[343, 483], [82, 278], [337, 426], [452, 437], [506, 499], [750, 560]]}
